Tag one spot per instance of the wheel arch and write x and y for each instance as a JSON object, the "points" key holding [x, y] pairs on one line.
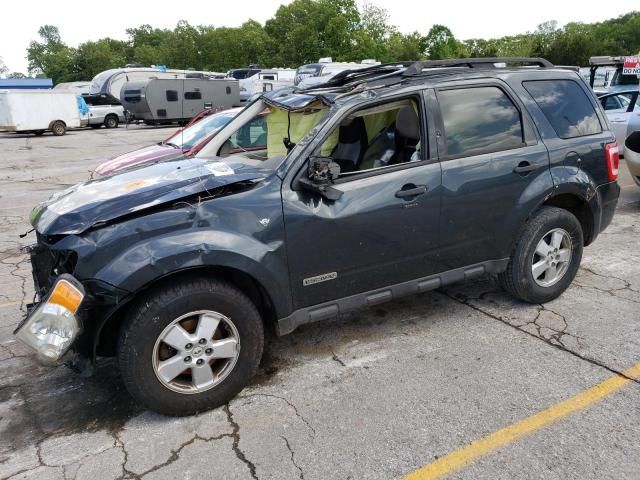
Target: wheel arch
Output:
{"points": [[580, 207], [110, 115], [106, 333]]}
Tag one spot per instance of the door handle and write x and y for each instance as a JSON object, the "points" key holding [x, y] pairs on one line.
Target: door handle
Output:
{"points": [[525, 167], [410, 190], [618, 120]]}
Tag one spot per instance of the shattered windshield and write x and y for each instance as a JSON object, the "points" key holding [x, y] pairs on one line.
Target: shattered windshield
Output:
{"points": [[191, 136], [265, 133]]}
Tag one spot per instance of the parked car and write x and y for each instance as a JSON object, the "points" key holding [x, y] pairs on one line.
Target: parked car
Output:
{"points": [[620, 107], [108, 115], [632, 148], [309, 204], [184, 142]]}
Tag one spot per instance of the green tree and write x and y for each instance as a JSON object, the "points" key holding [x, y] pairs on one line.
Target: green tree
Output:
{"points": [[91, 58], [442, 44], [406, 47], [305, 30], [18, 75], [51, 56], [372, 38]]}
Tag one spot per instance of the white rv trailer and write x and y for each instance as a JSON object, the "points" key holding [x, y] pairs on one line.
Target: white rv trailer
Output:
{"points": [[327, 67], [163, 100], [37, 111], [105, 86], [266, 80]]}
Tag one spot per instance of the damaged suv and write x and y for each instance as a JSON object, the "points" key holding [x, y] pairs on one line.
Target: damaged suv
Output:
{"points": [[381, 182]]}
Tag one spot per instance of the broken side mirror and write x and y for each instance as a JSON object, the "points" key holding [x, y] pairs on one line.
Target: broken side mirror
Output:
{"points": [[321, 175]]}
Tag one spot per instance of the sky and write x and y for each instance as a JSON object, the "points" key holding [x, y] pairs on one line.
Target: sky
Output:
{"points": [[91, 20]]}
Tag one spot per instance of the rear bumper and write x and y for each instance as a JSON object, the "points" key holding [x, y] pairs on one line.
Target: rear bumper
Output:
{"points": [[608, 193]]}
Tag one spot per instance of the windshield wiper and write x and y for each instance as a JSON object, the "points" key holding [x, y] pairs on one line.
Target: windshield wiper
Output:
{"points": [[172, 145]]}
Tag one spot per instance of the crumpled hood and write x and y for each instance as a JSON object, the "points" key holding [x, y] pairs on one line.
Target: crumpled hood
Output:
{"points": [[77, 208]]}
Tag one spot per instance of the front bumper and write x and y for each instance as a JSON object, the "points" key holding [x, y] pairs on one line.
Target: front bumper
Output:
{"points": [[52, 326]]}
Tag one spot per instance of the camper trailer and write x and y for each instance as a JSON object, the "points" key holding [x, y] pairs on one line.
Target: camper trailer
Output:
{"points": [[79, 88], [265, 81], [105, 86], [161, 100], [326, 67], [37, 111]]}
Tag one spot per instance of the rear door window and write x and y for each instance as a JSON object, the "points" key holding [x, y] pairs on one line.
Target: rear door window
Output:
{"points": [[479, 119], [566, 106]]}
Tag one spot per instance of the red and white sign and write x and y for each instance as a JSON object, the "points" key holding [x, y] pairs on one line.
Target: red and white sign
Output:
{"points": [[631, 66]]}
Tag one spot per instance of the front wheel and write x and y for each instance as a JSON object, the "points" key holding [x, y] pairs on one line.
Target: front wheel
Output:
{"points": [[191, 346], [546, 258]]}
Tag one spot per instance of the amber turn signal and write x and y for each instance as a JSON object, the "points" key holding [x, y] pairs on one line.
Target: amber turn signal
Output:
{"points": [[66, 295]]}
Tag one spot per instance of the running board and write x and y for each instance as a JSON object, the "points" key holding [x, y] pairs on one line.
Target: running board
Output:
{"points": [[334, 308]]}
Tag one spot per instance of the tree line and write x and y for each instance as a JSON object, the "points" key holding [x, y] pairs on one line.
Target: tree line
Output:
{"points": [[305, 30]]}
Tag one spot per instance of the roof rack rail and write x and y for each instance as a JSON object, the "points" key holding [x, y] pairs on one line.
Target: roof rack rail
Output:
{"points": [[417, 67], [367, 73]]}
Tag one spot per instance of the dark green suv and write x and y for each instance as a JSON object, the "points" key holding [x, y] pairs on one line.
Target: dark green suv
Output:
{"points": [[379, 183]]}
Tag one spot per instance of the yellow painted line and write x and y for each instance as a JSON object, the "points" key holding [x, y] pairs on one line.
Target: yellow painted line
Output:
{"points": [[459, 458], [9, 304]]}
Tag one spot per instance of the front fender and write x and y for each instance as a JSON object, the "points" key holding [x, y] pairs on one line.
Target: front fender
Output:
{"points": [[150, 260]]}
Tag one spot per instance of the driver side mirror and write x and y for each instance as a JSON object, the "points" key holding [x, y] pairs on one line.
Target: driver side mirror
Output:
{"points": [[321, 174]]}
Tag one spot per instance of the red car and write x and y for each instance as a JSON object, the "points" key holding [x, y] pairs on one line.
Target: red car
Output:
{"points": [[186, 141]]}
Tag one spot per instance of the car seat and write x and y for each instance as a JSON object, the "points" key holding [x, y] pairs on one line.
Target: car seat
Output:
{"points": [[407, 134], [352, 143]]}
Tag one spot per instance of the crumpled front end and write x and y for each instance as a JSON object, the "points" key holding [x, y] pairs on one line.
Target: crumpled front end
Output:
{"points": [[56, 326]]}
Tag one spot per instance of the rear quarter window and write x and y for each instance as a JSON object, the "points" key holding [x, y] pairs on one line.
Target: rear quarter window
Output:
{"points": [[479, 119], [566, 106]]}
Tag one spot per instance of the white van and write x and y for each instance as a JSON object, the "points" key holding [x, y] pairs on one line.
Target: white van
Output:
{"points": [[37, 111]]}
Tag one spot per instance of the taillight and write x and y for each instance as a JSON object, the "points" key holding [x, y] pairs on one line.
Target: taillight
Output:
{"points": [[613, 160]]}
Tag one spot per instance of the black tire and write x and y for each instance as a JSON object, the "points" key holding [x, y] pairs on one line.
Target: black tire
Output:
{"points": [[111, 121], [159, 308], [518, 279], [58, 128], [95, 125]]}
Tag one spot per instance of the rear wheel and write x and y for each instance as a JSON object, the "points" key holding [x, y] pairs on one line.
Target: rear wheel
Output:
{"points": [[111, 121], [190, 346], [58, 128], [546, 258]]}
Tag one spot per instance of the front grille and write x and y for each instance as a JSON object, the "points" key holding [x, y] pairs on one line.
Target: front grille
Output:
{"points": [[47, 264], [42, 263]]}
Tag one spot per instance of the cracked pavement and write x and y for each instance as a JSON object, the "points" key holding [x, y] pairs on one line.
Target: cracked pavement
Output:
{"points": [[373, 395]]}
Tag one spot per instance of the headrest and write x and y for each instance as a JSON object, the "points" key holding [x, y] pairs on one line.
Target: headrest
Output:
{"points": [[408, 124]]}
